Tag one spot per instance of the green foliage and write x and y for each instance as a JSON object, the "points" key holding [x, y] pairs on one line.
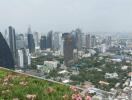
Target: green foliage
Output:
{"points": [[88, 71], [2, 73], [33, 86]]}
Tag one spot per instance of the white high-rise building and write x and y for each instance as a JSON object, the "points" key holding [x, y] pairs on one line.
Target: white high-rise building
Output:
{"points": [[61, 41], [28, 57], [36, 40], [56, 40], [24, 58], [20, 58], [103, 48]]}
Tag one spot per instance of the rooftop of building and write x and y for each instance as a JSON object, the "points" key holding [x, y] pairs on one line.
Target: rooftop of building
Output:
{"points": [[18, 86]]}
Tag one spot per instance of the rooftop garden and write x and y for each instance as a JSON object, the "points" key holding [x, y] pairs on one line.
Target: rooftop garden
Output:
{"points": [[16, 86]]}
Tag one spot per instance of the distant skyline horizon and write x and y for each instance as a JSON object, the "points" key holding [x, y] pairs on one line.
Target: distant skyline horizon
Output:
{"points": [[66, 15], [86, 32], [35, 30]]}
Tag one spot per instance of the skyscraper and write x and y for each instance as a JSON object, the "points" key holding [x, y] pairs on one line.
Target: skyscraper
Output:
{"points": [[28, 56], [93, 41], [43, 43], [31, 44], [20, 58], [24, 58], [56, 41], [78, 39], [74, 39], [6, 58], [68, 49], [50, 40], [109, 41], [30, 40], [20, 43], [61, 41], [36, 39], [88, 41], [6, 36], [83, 41], [12, 41]]}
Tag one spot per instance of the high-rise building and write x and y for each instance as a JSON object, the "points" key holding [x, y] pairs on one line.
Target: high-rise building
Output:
{"points": [[12, 41], [6, 57], [109, 41], [24, 58], [78, 39], [88, 41], [36, 39], [43, 43], [20, 43], [103, 48], [93, 41], [26, 40], [28, 61], [68, 49], [61, 41], [6, 36], [74, 39], [83, 41], [20, 58], [50, 40], [56, 41], [31, 43]]}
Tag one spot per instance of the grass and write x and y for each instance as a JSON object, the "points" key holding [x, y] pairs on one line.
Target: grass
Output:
{"points": [[14, 85], [2, 73]]}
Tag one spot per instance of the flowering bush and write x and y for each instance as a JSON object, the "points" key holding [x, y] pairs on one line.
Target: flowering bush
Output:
{"points": [[88, 98], [76, 94], [74, 88], [76, 97]]}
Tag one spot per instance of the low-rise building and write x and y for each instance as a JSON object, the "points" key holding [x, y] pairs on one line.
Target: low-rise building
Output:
{"points": [[48, 66], [111, 75], [51, 64], [124, 67], [103, 83]]}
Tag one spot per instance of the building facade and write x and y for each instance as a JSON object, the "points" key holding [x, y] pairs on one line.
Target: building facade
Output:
{"points": [[12, 41], [68, 49], [43, 43]]}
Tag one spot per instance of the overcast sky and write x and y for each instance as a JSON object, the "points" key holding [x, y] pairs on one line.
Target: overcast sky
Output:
{"points": [[65, 15]]}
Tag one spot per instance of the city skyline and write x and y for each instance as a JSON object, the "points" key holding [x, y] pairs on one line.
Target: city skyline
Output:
{"points": [[67, 15], [65, 49]]}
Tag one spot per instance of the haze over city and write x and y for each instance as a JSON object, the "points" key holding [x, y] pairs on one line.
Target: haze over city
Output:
{"points": [[66, 15], [65, 49]]}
